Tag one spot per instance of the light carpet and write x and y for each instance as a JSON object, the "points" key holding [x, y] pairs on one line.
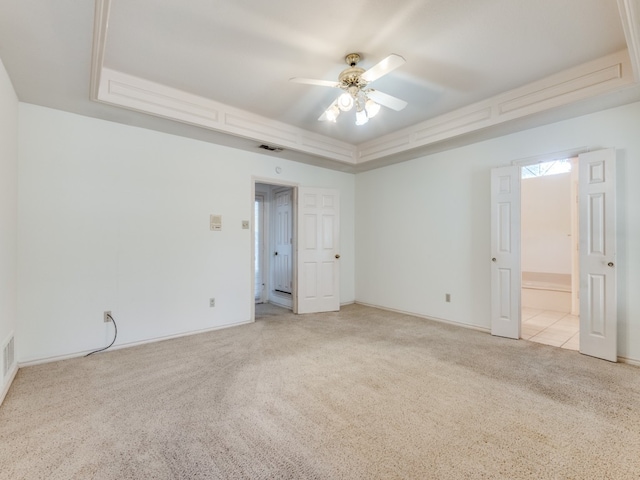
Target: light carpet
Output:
{"points": [[359, 394]]}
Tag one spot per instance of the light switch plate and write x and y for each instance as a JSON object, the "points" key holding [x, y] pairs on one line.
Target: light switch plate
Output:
{"points": [[215, 222], [245, 224]]}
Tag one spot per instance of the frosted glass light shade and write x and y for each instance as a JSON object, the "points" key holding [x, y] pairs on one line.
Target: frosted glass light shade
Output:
{"points": [[361, 117], [332, 113], [372, 108], [345, 102]]}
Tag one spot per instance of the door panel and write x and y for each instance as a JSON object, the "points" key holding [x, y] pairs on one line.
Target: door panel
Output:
{"points": [[598, 309], [318, 240], [259, 247], [505, 252], [283, 239]]}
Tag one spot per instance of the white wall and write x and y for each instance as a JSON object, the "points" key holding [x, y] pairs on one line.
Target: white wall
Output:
{"points": [[422, 227], [8, 215], [546, 224], [117, 218]]}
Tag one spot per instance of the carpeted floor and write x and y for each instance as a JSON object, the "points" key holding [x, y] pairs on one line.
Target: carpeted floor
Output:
{"points": [[359, 394]]}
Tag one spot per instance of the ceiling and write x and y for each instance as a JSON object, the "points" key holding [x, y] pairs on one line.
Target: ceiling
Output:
{"points": [[235, 57]]}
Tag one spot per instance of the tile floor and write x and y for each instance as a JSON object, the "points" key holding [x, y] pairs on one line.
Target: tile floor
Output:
{"points": [[558, 329]]}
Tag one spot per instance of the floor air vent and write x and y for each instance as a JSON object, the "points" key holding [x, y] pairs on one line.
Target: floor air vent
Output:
{"points": [[8, 355]]}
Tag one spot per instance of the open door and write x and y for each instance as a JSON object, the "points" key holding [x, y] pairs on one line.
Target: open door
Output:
{"points": [[318, 246], [505, 252], [282, 262], [598, 309]]}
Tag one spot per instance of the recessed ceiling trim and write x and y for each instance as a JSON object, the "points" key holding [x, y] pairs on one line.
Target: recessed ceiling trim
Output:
{"points": [[604, 75], [128, 91], [448, 127], [538, 100], [145, 97], [630, 17], [242, 125], [100, 25], [391, 144]]}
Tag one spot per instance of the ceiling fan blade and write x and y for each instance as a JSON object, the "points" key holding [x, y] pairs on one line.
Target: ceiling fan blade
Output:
{"points": [[311, 81], [386, 100], [387, 65]]}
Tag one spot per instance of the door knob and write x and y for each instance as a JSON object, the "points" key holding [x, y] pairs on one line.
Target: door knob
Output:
{"points": [[337, 255], [493, 259], [610, 264]]}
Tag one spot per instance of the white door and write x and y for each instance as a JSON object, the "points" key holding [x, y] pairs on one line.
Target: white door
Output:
{"points": [[505, 252], [259, 247], [282, 256], [318, 250], [598, 312]]}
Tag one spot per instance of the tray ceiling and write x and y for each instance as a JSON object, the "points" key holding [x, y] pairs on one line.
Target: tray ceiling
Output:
{"points": [[231, 59]]}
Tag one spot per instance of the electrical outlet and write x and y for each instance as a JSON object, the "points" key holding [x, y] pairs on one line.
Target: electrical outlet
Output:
{"points": [[447, 297], [107, 316], [212, 302], [245, 224]]}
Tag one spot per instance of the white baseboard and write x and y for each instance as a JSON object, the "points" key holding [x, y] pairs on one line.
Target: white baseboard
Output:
{"points": [[7, 385], [56, 358], [629, 361], [39, 361], [426, 317]]}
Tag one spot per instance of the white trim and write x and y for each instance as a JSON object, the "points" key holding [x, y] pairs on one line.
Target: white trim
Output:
{"points": [[549, 157], [7, 385], [294, 278], [100, 27], [426, 317], [56, 358], [629, 361], [134, 93], [604, 75], [273, 181], [630, 18]]}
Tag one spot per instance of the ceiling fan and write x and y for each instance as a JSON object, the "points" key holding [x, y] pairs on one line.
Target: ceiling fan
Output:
{"points": [[354, 81]]}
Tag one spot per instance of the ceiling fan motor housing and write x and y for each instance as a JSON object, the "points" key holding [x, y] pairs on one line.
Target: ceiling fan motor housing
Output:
{"points": [[350, 78]]}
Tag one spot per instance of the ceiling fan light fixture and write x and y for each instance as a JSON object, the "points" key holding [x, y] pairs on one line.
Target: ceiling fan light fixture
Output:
{"points": [[354, 83], [372, 108], [345, 102], [361, 117], [332, 113]]}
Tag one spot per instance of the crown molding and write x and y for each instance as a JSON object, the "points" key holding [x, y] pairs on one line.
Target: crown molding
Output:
{"points": [[100, 24], [630, 17], [134, 93], [604, 75]]}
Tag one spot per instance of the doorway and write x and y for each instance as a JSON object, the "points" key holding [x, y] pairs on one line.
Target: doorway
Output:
{"points": [[273, 246], [549, 255], [597, 252], [296, 248]]}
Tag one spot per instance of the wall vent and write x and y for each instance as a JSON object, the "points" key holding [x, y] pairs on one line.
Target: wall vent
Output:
{"points": [[271, 149], [8, 355]]}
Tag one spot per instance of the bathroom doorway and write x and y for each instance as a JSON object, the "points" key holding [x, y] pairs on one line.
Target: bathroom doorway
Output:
{"points": [[550, 255]]}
